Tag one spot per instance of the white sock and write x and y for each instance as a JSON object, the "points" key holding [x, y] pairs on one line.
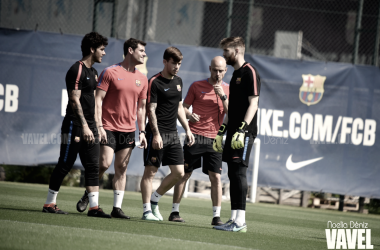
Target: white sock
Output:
{"points": [[240, 217], [216, 211], [118, 198], [155, 197], [233, 214], [51, 197], [147, 207], [175, 207], [94, 198]]}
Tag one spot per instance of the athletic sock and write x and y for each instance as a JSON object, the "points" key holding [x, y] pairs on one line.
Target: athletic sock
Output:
{"points": [[175, 207], [155, 197], [118, 198], [147, 207], [233, 214], [94, 198], [216, 211], [240, 218], [51, 197]]}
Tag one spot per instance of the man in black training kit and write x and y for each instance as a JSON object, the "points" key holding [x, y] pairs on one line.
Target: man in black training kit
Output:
{"points": [[164, 107], [78, 132], [241, 127]]}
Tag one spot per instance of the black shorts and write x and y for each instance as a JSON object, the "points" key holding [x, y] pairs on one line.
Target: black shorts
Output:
{"points": [[212, 161], [170, 154], [120, 140], [238, 155]]}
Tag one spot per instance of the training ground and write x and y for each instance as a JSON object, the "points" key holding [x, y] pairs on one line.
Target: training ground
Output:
{"points": [[24, 226]]}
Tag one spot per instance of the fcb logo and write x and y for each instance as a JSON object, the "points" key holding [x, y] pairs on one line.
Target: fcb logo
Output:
{"points": [[77, 139], [96, 78], [179, 87], [153, 159], [138, 83], [238, 80], [186, 165], [311, 90]]}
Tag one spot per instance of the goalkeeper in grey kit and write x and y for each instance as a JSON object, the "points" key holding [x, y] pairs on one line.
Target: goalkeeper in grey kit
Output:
{"points": [[241, 127]]}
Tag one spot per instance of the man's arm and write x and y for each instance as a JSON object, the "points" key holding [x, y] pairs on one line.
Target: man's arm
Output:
{"points": [[74, 99], [153, 118], [141, 118], [252, 109], [99, 96], [191, 116], [182, 119], [220, 92]]}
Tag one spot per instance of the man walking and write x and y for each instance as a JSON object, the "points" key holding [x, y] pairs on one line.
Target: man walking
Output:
{"points": [[209, 99], [78, 132], [164, 107], [241, 127], [121, 91]]}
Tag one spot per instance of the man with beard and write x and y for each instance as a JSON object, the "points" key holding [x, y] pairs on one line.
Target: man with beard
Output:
{"points": [[241, 128], [164, 107], [78, 132], [209, 99], [122, 90]]}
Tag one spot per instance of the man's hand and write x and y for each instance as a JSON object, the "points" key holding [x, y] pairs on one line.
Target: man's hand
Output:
{"points": [[142, 140], [190, 138], [102, 135], [88, 135], [219, 90], [157, 142], [237, 141], [217, 144], [194, 118]]}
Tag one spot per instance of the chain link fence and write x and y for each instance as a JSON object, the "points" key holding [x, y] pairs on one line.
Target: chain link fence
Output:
{"points": [[323, 30]]}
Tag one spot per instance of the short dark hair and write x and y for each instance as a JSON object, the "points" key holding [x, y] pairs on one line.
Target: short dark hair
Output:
{"points": [[92, 40], [233, 41], [132, 43], [173, 52]]}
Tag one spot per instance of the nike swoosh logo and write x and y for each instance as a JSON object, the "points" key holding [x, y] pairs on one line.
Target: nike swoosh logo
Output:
{"points": [[166, 89], [120, 79], [291, 166], [156, 195], [204, 92]]}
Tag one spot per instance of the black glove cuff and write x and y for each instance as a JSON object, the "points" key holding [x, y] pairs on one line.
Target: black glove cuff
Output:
{"points": [[222, 129]]}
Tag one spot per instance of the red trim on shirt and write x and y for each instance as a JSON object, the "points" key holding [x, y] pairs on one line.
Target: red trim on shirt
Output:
{"points": [[254, 78], [78, 76], [150, 85]]}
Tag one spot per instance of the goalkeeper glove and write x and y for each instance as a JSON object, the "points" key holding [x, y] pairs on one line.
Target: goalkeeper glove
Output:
{"points": [[217, 145], [237, 141]]}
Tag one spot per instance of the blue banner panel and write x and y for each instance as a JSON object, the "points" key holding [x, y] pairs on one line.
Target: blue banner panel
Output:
{"points": [[317, 121]]}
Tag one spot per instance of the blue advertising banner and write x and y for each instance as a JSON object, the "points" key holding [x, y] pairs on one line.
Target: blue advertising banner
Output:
{"points": [[317, 121]]}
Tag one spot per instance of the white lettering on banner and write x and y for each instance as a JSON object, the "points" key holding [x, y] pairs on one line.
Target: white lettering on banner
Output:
{"points": [[277, 123], [318, 128], [369, 132], [64, 101], [10, 102], [356, 138], [295, 118], [307, 126], [343, 238], [323, 129], [1, 93], [265, 118]]}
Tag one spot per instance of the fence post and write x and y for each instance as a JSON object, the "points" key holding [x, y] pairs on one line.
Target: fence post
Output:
{"points": [[357, 32], [249, 25], [377, 41], [229, 17]]}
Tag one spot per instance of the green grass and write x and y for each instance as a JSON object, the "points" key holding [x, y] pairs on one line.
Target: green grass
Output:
{"points": [[24, 226]]}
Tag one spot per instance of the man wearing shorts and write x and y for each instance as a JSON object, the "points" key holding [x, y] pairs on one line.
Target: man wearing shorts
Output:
{"points": [[209, 99], [241, 128], [164, 107], [122, 89], [79, 134]]}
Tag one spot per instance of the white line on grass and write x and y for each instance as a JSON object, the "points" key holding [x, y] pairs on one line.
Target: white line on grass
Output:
{"points": [[143, 235]]}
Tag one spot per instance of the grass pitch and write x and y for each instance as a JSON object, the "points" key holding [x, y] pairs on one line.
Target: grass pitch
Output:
{"points": [[24, 226]]}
